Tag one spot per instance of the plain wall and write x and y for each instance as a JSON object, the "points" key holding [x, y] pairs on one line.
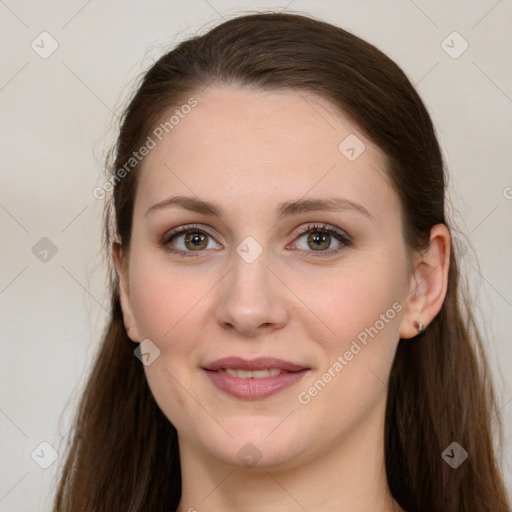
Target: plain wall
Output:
{"points": [[57, 123]]}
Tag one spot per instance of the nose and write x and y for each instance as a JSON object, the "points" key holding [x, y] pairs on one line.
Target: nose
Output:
{"points": [[252, 299]]}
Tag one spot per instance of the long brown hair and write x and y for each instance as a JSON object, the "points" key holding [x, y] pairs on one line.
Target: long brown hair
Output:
{"points": [[124, 454]]}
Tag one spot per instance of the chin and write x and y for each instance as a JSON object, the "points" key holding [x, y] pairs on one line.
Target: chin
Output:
{"points": [[257, 445]]}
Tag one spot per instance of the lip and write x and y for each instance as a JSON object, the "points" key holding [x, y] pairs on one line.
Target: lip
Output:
{"points": [[260, 363], [252, 388]]}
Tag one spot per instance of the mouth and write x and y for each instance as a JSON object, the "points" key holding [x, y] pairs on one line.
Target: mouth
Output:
{"points": [[248, 374], [253, 379], [253, 365]]}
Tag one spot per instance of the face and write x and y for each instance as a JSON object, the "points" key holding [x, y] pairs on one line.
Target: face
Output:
{"points": [[318, 293]]}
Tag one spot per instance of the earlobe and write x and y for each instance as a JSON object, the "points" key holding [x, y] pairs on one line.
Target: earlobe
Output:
{"points": [[121, 267], [429, 283]]}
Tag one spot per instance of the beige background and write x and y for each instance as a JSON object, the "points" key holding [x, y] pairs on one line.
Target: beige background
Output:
{"points": [[57, 119]]}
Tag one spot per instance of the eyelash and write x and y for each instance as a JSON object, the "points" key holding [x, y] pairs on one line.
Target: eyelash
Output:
{"points": [[338, 235]]}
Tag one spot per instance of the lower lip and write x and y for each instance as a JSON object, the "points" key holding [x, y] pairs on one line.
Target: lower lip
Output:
{"points": [[254, 389]]}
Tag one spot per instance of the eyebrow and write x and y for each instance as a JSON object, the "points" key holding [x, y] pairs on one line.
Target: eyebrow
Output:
{"points": [[285, 209]]}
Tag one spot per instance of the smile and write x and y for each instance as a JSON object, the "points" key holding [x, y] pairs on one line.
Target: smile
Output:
{"points": [[247, 374], [253, 379]]}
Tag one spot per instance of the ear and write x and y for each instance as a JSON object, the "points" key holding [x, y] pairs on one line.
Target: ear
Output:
{"points": [[121, 267], [429, 282]]}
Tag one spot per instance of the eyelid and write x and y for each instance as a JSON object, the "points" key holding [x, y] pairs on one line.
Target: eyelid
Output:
{"points": [[184, 228], [180, 231], [320, 226], [341, 236]]}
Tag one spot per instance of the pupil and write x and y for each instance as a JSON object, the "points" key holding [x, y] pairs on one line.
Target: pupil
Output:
{"points": [[319, 238], [195, 239]]}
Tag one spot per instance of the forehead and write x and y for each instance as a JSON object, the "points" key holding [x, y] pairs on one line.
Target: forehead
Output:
{"points": [[248, 146]]}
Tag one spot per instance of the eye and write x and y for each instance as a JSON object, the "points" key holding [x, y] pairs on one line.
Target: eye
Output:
{"points": [[320, 237], [193, 240]]}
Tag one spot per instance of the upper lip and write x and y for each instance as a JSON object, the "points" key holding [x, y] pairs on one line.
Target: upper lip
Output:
{"points": [[260, 363]]}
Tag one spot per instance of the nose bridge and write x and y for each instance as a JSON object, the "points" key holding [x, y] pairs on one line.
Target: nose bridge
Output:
{"points": [[251, 295]]}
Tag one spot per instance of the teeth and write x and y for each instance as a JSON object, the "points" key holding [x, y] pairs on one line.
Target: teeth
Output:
{"points": [[256, 374]]}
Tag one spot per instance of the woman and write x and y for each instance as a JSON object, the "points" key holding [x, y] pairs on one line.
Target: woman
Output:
{"points": [[288, 331]]}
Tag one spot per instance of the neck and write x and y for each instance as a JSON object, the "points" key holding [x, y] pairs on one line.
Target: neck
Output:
{"points": [[348, 476]]}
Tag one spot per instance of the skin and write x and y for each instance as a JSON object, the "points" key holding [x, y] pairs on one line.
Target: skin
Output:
{"points": [[249, 150]]}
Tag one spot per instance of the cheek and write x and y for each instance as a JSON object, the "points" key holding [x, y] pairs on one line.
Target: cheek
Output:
{"points": [[362, 308], [164, 298], [352, 299], [169, 309], [355, 363], [166, 307]]}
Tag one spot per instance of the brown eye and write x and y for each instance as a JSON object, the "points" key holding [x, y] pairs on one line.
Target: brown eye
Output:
{"points": [[187, 240], [319, 240], [195, 240]]}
